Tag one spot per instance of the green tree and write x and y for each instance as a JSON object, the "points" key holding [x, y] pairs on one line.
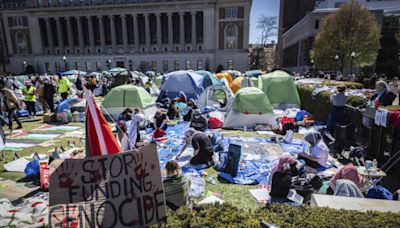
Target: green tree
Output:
{"points": [[352, 28]]}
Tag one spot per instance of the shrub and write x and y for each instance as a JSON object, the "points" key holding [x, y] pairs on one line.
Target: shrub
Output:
{"points": [[321, 106], [282, 215]]}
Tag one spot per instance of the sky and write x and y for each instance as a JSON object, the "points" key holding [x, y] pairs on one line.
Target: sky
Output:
{"points": [[261, 7]]}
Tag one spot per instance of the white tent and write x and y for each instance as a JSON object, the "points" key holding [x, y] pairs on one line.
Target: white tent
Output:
{"points": [[216, 96]]}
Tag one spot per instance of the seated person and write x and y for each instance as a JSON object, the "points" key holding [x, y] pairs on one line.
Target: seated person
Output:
{"points": [[176, 186], [126, 115], [164, 101], [348, 172], [198, 121], [173, 111], [383, 94], [347, 188], [203, 148], [121, 136], [160, 121], [182, 97], [188, 111], [281, 180], [319, 151]]}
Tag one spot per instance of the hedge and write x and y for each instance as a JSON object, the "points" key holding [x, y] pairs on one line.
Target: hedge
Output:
{"points": [[282, 215], [321, 106]]}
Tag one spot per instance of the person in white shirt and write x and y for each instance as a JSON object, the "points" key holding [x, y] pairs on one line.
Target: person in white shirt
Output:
{"points": [[319, 151], [122, 137]]}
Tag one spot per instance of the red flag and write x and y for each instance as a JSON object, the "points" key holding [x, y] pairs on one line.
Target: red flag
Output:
{"points": [[101, 140]]}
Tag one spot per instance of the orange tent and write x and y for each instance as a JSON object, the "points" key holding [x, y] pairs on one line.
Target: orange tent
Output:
{"points": [[236, 84], [225, 75]]}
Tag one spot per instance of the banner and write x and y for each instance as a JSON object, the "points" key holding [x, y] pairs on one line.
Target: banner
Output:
{"points": [[116, 190]]}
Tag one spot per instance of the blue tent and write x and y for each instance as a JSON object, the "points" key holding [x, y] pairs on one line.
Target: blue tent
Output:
{"points": [[188, 82], [209, 79], [66, 104]]}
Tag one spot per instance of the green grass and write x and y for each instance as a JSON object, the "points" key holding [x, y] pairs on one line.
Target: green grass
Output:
{"points": [[28, 126]]}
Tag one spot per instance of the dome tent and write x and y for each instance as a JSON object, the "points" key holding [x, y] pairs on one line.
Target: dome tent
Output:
{"points": [[280, 88], [128, 96], [249, 108], [215, 96], [225, 75], [209, 79], [188, 82]]}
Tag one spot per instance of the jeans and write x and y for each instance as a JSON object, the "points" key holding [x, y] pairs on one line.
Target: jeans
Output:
{"points": [[11, 116], [64, 96], [30, 105], [336, 115]]}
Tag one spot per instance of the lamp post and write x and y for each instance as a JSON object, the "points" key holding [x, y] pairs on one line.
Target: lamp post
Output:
{"points": [[65, 62], [353, 55], [24, 67], [336, 63], [109, 63]]}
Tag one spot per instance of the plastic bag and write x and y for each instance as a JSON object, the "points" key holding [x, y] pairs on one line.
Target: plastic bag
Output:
{"points": [[32, 169]]}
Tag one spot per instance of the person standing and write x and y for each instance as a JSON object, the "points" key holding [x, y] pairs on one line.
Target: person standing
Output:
{"points": [[40, 93], [10, 104], [29, 92], [64, 85], [336, 115], [48, 93]]}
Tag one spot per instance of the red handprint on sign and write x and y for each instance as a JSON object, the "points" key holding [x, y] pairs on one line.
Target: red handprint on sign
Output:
{"points": [[66, 175]]}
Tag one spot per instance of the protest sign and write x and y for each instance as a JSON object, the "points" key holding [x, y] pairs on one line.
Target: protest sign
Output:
{"points": [[119, 190]]}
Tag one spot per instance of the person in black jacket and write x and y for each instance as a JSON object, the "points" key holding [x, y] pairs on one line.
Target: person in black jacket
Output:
{"points": [[382, 94], [49, 91]]}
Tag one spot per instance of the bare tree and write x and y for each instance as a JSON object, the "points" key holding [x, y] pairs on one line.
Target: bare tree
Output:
{"points": [[268, 26]]}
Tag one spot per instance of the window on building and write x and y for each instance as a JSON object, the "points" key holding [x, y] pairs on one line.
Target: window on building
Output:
{"points": [[230, 64], [165, 65], [88, 67], [47, 67], [77, 66], [316, 25], [154, 65], [199, 64], [56, 67], [177, 49], [188, 65], [176, 65], [231, 12], [230, 36]]}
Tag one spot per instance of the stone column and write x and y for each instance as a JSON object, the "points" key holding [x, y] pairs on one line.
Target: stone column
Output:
{"points": [[159, 35], [70, 36], [182, 30], [101, 31], [170, 32], [124, 34], [147, 31], [113, 33], [194, 31], [60, 35], [80, 33], [136, 32], [49, 35], [91, 35]]}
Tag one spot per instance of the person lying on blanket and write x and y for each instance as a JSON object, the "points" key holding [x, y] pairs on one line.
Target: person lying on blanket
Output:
{"points": [[203, 148]]}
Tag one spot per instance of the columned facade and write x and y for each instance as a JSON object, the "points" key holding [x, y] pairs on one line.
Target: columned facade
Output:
{"points": [[137, 37]]}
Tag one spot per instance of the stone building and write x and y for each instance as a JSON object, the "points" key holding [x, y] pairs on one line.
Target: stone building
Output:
{"points": [[159, 35]]}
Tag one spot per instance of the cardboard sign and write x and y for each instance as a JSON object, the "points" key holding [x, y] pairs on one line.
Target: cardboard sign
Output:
{"points": [[122, 190]]}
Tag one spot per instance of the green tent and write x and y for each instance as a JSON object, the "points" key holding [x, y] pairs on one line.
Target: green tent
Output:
{"points": [[158, 81], [280, 88], [251, 100], [128, 96]]}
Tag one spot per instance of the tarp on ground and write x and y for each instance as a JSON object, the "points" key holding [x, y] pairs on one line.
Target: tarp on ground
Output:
{"points": [[280, 88], [128, 96], [209, 79], [189, 82]]}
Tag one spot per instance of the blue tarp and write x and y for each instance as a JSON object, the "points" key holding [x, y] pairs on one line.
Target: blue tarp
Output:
{"points": [[66, 104], [188, 82], [250, 172]]}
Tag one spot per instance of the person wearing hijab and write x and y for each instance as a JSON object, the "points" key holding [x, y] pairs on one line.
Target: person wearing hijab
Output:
{"points": [[173, 111], [347, 172], [188, 110], [134, 128], [280, 180], [382, 94], [176, 186], [121, 136], [319, 151]]}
